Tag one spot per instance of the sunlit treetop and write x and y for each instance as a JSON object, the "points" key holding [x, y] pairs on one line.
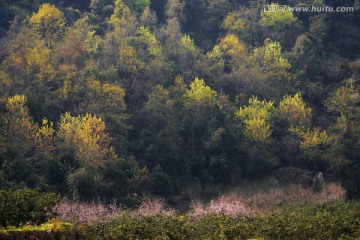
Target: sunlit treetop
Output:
{"points": [[273, 57], [16, 104], [255, 109], [275, 14], [232, 46], [146, 36], [122, 13], [48, 14], [310, 137], [187, 42], [18, 122], [256, 119], [49, 22], [86, 134], [294, 109], [215, 54], [233, 22], [344, 99], [200, 93], [121, 9]]}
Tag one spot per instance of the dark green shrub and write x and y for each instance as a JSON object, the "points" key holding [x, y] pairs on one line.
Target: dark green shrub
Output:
{"points": [[219, 226], [336, 220], [20, 207], [170, 227], [136, 227]]}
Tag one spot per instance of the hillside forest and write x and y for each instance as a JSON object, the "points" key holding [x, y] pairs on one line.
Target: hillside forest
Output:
{"points": [[116, 99]]}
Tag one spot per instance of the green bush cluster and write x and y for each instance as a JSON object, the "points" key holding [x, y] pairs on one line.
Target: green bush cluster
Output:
{"points": [[337, 220], [26, 206]]}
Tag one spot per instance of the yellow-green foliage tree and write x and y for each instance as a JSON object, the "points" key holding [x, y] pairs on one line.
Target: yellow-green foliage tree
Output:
{"points": [[295, 110], [189, 44], [187, 54], [234, 50], [344, 100], [121, 18], [21, 132], [200, 93], [256, 119], [275, 14], [104, 98], [274, 60], [45, 138], [233, 22], [38, 61], [270, 65], [154, 49], [150, 51], [86, 136], [141, 53], [19, 128], [216, 60], [49, 23], [312, 142], [129, 61], [311, 137]]}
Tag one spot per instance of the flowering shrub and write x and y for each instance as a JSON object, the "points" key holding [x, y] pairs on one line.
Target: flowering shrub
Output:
{"points": [[153, 207], [231, 205], [247, 205], [78, 212]]}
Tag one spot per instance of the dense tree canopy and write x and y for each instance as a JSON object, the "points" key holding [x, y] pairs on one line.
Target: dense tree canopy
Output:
{"points": [[115, 97]]}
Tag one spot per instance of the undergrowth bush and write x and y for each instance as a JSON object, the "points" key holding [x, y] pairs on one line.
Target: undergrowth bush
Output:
{"points": [[80, 212], [26, 206], [153, 220], [291, 212], [335, 220]]}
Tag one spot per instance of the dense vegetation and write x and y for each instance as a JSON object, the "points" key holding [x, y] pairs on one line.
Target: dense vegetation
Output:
{"points": [[115, 99], [336, 220], [26, 206], [332, 221]]}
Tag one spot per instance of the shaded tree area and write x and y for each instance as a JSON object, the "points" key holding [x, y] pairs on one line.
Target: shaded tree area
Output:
{"points": [[105, 99]]}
